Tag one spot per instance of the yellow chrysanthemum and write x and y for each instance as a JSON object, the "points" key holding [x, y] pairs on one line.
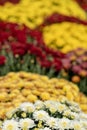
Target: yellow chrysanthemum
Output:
{"points": [[67, 36]]}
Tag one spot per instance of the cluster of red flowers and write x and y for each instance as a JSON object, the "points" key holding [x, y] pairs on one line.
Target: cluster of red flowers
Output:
{"points": [[59, 18], [21, 40], [83, 4], [2, 2]]}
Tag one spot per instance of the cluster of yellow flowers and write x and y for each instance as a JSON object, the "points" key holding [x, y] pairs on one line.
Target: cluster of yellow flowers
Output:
{"points": [[33, 12], [16, 88], [67, 36]]}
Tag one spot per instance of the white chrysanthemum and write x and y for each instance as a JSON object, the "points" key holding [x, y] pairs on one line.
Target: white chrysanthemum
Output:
{"points": [[75, 109], [10, 125], [76, 125], [53, 106], [83, 116], [46, 128], [66, 113], [53, 109], [50, 103], [52, 123], [64, 123], [74, 115], [71, 103], [84, 123], [26, 123], [61, 107], [39, 105], [28, 107], [40, 115], [69, 114]]}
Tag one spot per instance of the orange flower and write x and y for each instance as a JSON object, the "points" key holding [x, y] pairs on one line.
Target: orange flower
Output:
{"points": [[75, 79]]}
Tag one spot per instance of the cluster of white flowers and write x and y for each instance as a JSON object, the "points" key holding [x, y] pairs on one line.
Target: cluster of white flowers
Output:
{"points": [[48, 115]]}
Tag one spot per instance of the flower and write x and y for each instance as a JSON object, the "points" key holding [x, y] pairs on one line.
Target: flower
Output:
{"points": [[52, 123], [26, 123], [2, 60], [84, 124], [73, 115], [76, 125], [39, 104], [66, 113], [46, 64], [28, 107], [40, 115], [76, 68], [64, 123], [18, 48], [83, 116], [61, 108], [10, 125], [75, 79], [83, 4]]}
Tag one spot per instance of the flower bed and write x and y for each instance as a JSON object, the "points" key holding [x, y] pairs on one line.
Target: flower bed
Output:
{"points": [[25, 12], [16, 88], [48, 115], [26, 50]]}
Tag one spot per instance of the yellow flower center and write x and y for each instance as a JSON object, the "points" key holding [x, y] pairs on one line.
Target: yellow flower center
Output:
{"points": [[10, 127], [25, 125], [40, 115]]}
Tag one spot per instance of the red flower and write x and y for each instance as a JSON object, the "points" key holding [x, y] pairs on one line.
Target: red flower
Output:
{"points": [[14, 1], [19, 52], [66, 64], [2, 60], [35, 33], [54, 53], [55, 18], [83, 4], [76, 68], [83, 73], [2, 2], [84, 65], [18, 48], [20, 35], [57, 64], [46, 64], [2, 25], [4, 36], [32, 49]]}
